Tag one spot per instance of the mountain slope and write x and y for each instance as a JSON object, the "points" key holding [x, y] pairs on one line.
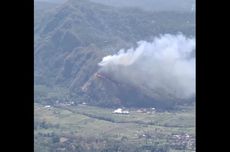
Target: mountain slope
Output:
{"points": [[72, 39], [153, 5]]}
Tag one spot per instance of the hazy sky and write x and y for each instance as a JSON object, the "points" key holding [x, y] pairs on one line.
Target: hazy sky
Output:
{"points": [[52, 1]]}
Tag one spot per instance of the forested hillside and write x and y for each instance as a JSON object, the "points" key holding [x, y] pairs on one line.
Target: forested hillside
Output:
{"points": [[71, 39]]}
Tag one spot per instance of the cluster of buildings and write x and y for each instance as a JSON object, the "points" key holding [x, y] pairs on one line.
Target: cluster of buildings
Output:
{"points": [[57, 103], [141, 110], [146, 110], [120, 111]]}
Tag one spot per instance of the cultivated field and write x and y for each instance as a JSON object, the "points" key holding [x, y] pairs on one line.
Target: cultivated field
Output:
{"points": [[88, 128]]}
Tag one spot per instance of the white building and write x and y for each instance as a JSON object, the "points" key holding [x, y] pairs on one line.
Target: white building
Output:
{"points": [[120, 111]]}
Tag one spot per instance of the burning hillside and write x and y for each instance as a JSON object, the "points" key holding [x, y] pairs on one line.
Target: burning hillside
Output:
{"points": [[161, 71], [166, 64]]}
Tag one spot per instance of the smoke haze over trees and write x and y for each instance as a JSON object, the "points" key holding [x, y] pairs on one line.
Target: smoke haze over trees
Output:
{"points": [[166, 64], [72, 38], [114, 75]]}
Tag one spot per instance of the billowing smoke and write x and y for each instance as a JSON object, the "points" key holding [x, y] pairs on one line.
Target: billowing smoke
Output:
{"points": [[166, 66]]}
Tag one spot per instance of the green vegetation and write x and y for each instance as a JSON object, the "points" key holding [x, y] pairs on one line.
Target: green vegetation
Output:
{"points": [[48, 95], [88, 128], [71, 39]]}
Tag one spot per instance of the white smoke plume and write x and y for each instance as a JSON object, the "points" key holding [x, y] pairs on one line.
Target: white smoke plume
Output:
{"points": [[166, 65]]}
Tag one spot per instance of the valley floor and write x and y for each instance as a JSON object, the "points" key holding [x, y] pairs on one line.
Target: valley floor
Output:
{"points": [[86, 128]]}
